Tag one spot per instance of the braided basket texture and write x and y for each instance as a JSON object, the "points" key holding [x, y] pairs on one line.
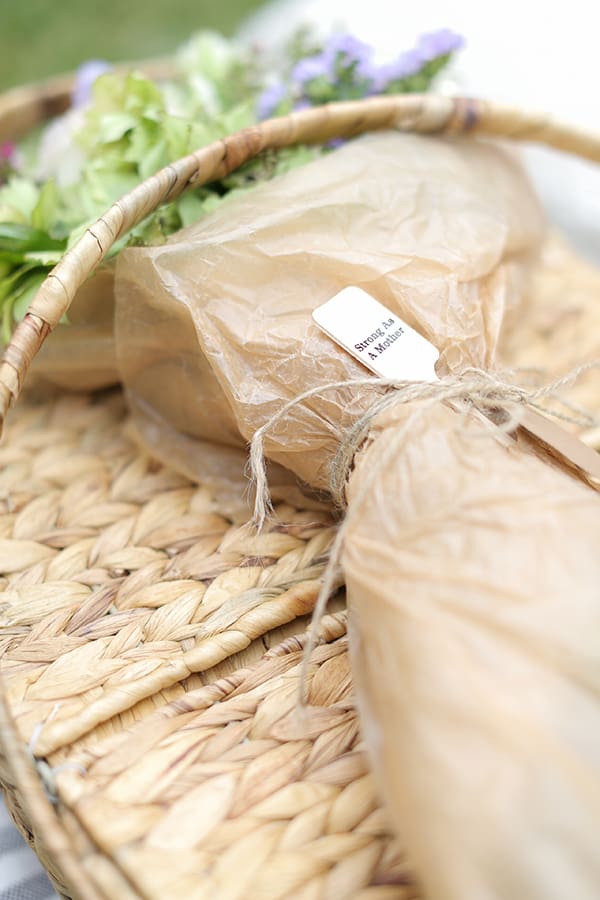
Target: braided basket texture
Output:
{"points": [[150, 646]]}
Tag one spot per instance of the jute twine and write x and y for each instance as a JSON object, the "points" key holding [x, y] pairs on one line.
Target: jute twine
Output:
{"points": [[488, 393]]}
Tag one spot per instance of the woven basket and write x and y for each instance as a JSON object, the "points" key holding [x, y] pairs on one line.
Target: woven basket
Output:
{"points": [[150, 647]]}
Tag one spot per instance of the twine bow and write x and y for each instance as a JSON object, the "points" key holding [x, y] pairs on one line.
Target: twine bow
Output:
{"points": [[475, 389]]}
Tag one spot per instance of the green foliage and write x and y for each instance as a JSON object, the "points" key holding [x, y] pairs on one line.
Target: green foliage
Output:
{"points": [[127, 134], [130, 127], [27, 253]]}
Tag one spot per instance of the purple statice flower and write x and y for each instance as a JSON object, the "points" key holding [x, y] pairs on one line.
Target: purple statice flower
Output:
{"points": [[349, 47], [404, 66], [322, 65], [302, 103], [367, 70], [343, 50], [438, 43], [407, 64], [429, 47], [270, 99], [84, 79]]}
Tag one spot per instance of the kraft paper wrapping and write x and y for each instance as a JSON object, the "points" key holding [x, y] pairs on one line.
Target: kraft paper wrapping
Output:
{"points": [[214, 328], [471, 565], [473, 580]]}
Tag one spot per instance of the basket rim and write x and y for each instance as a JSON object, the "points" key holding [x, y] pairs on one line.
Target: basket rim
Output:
{"points": [[41, 814]]}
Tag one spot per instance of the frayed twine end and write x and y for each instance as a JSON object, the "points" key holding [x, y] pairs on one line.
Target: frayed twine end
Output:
{"points": [[263, 505]]}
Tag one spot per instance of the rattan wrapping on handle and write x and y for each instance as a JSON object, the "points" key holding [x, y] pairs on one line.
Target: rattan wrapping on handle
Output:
{"points": [[428, 114]]}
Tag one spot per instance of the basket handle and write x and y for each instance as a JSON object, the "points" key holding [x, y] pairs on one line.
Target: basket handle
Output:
{"points": [[423, 113]]}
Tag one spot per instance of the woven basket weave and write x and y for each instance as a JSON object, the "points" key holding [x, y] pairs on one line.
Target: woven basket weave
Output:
{"points": [[150, 646]]}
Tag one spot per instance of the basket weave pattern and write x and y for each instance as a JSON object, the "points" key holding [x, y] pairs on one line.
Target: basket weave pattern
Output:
{"points": [[229, 792], [129, 606]]}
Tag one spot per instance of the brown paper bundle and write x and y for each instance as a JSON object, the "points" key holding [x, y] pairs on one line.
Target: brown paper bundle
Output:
{"points": [[214, 330], [473, 580]]}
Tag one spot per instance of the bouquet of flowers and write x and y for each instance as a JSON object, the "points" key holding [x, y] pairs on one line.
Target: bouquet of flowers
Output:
{"points": [[123, 127]]}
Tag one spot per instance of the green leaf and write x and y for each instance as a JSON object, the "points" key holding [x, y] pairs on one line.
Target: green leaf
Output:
{"points": [[203, 133], [209, 54], [102, 185], [177, 133], [18, 238], [23, 286], [10, 284], [27, 292], [79, 231], [241, 116], [141, 95], [112, 126], [8, 260], [156, 158], [132, 93], [42, 257], [141, 140], [156, 227], [46, 257], [21, 194], [12, 214], [191, 207], [44, 211]]}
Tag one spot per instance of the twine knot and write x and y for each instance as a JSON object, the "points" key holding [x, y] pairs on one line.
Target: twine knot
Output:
{"points": [[493, 394]]}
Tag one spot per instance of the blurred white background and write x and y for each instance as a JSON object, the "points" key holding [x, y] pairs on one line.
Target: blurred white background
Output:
{"points": [[538, 55]]}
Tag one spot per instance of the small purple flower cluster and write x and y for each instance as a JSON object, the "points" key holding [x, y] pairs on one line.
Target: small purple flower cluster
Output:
{"points": [[270, 99], [341, 52], [345, 69], [429, 47], [85, 77]]}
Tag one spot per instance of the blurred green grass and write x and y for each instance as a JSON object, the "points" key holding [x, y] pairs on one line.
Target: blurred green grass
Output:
{"points": [[39, 38]]}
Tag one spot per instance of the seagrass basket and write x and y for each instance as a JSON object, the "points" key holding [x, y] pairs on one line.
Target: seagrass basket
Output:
{"points": [[150, 645]]}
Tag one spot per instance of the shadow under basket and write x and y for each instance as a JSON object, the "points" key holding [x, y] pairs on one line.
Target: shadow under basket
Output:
{"points": [[150, 646]]}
